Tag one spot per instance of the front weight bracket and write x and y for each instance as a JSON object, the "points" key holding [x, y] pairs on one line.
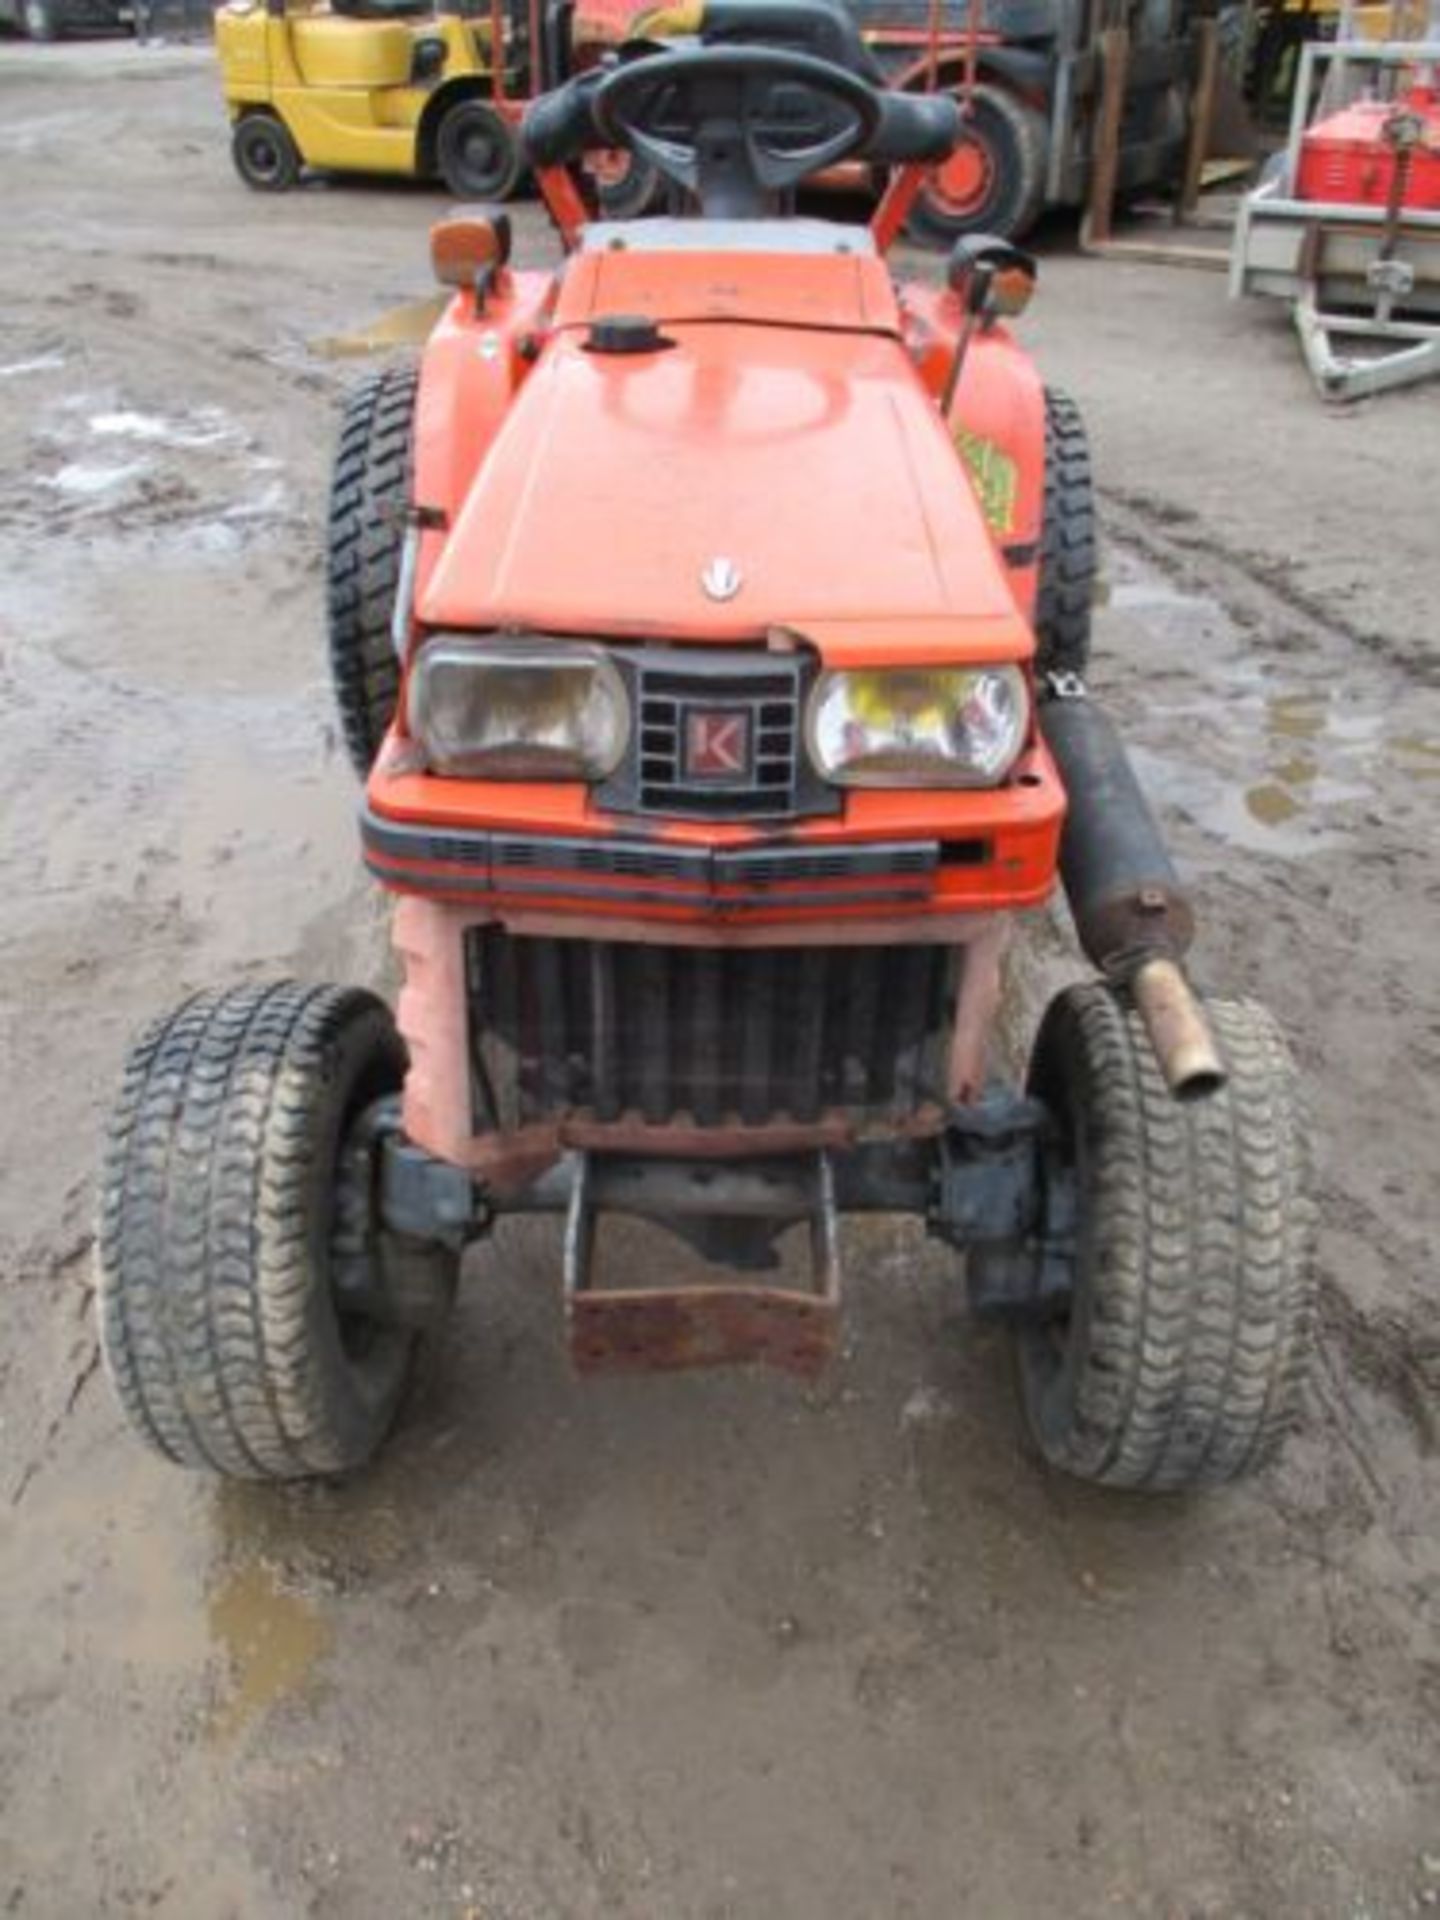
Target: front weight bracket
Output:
{"points": [[987, 1173], [998, 1196], [426, 1198]]}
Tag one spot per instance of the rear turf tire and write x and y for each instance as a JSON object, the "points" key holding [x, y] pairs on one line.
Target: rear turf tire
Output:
{"points": [[1180, 1361], [220, 1217], [1002, 157], [1066, 590], [477, 153], [369, 500], [265, 155]]}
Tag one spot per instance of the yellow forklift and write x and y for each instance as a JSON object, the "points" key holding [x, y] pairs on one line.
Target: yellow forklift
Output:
{"points": [[381, 86]]}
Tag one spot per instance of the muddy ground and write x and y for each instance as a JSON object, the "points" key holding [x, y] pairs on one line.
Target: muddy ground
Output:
{"points": [[712, 1647]]}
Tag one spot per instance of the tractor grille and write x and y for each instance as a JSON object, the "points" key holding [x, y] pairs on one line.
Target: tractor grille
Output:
{"points": [[605, 1029], [768, 702], [672, 688]]}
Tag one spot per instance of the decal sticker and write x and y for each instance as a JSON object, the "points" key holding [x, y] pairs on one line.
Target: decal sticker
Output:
{"points": [[994, 476]]}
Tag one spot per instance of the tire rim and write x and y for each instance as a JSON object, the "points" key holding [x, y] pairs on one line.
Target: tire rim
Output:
{"points": [[262, 155], [610, 168], [481, 157], [962, 185]]}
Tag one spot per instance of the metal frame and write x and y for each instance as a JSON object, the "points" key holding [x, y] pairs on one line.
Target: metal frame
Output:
{"points": [[1360, 272], [989, 1182]]}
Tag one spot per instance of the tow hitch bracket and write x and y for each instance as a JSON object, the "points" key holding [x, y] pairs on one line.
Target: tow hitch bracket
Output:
{"points": [[635, 1329]]}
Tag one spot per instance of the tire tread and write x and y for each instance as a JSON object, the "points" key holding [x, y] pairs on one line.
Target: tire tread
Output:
{"points": [[1187, 1356], [369, 498], [211, 1245], [1065, 590]]}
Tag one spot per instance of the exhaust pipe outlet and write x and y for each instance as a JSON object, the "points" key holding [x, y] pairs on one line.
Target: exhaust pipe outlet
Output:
{"points": [[1134, 920], [1177, 1029]]}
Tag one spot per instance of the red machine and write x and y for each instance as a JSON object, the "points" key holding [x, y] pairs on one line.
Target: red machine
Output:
{"points": [[1345, 224], [1361, 155]]}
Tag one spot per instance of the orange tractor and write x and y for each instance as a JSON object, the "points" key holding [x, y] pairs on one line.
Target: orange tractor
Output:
{"points": [[708, 618]]}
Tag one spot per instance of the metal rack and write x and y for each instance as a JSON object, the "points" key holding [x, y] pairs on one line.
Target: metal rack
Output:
{"points": [[1352, 272]]}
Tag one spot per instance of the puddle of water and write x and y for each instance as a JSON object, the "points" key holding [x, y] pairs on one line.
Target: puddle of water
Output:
{"points": [[1129, 596], [1298, 771], [206, 428], [1415, 756], [1283, 759], [180, 481], [1272, 805], [1256, 818], [1296, 716], [270, 503], [405, 326], [272, 1640], [86, 478], [1329, 754], [42, 363]]}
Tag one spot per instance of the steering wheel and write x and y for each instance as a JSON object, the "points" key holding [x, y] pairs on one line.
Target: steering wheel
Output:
{"points": [[726, 96]]}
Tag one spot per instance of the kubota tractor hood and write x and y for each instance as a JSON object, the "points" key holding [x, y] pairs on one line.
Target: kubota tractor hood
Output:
{"points": [[741, 478]]}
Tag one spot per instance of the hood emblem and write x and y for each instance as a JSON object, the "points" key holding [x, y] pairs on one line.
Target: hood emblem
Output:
{"points": [[721, 578]]}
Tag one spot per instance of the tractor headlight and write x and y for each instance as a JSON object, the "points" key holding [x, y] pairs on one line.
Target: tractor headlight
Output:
{"points": [[518, 709], [918, 726]]}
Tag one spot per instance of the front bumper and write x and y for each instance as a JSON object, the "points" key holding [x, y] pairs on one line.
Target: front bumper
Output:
{"points": [[537, 853]]}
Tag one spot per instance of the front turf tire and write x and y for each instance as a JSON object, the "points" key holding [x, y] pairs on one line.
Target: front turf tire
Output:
{"points": [[369, 501], [1179, 1363], [219, 1222]]}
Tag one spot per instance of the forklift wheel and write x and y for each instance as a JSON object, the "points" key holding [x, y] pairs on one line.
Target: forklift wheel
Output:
{"points": [[1180, 1359], [477, 152], [265, 155], [369, 499], [231, 1202], [1066, 588], [994, 182]]}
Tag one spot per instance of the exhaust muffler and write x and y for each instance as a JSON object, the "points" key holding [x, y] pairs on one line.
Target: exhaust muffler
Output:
{"points": [[1131, 913]]}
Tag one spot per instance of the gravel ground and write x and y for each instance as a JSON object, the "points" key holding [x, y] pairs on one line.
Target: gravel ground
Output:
{"points": [[697, 1647]]}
